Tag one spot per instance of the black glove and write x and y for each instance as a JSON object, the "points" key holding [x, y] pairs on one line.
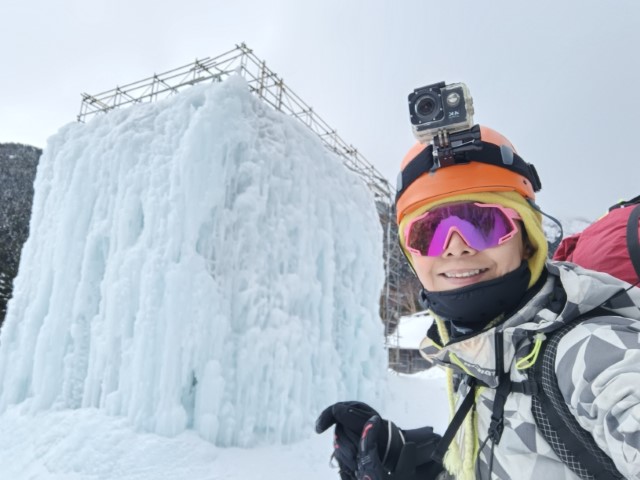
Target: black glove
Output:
{"points": [[408, 458], [349, 419], [370, 465], [366, 447]]}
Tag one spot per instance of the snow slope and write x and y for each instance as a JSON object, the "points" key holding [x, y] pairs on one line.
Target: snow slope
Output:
{"points": [[87, 444]]}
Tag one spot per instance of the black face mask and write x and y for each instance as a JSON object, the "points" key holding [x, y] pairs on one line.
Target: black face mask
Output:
{"points": [[471, 308]]}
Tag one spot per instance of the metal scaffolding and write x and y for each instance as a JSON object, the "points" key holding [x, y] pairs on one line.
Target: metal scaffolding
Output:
{"points": [[271, 89]]}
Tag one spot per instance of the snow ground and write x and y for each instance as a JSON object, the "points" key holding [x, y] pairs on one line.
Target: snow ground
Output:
{"points": [[87, 444]]}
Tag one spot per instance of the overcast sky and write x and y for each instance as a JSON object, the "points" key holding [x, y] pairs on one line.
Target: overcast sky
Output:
{"points": [[561, 79]]}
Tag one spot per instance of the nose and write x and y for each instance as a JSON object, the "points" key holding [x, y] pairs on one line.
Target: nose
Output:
{"points": [[457, 246]]}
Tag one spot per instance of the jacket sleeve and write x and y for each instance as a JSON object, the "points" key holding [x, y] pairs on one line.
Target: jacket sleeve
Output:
{"points": [[598, 371]]}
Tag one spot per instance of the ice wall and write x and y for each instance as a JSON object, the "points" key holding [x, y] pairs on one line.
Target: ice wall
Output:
{"points": [[202, 262]]}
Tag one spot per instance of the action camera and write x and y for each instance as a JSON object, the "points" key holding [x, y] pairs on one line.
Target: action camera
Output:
{"points": [[440, 108]]}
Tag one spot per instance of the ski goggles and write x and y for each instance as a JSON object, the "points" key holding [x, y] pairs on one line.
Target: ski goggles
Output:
{"points": [[481, 226]]}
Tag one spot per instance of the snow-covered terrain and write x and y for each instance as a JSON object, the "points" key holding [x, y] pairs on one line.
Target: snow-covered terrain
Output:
{"points": [[87, 444], [411, 330], [201, 279]]}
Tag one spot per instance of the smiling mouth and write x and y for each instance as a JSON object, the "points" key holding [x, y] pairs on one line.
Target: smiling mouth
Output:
{"points": [[467, 274]]}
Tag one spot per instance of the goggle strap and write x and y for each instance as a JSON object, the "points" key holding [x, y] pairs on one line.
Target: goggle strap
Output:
{"points": [[421, 164]]}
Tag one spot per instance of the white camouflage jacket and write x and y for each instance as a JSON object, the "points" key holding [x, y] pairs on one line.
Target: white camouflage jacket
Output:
{"points": [[597, 366]]}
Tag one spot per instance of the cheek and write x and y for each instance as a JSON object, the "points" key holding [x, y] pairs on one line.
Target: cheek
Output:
{"points": [[510, 257], [509, 266], [424, 267]]}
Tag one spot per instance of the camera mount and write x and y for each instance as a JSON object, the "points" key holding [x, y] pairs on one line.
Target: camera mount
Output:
{"points": [[449, 148]]}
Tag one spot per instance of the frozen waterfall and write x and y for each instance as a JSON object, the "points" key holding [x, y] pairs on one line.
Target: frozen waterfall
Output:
{"points": [[199, 263]]}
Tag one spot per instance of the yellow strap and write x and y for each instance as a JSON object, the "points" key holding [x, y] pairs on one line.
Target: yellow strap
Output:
{"points": [[530, 360]]}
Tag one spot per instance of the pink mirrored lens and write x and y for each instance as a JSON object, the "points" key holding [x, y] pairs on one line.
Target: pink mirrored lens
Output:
{"points": [[481, 227], [472, 235]]}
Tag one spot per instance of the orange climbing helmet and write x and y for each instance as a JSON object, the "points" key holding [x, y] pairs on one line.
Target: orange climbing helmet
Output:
{"points": [[479, 160]]}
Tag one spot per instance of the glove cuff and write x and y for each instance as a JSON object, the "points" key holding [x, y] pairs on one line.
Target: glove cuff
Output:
{"points": [[393, 447]]}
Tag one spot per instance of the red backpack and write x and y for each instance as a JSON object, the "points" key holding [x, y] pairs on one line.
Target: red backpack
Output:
{"points": [[609, 245]]}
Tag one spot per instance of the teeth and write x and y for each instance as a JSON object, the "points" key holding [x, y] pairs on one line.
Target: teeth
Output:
{"points": [[470, 273]]}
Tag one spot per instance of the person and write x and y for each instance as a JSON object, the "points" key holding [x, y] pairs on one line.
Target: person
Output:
{"points": [[473, 235]]}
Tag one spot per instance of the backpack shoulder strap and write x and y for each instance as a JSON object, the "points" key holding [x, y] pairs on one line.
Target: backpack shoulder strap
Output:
{"points": [[633, 245], [625, 203], [573, 444]]}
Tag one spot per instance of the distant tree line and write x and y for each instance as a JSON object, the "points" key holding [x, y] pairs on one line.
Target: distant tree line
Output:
{"points": [[18, 165]]}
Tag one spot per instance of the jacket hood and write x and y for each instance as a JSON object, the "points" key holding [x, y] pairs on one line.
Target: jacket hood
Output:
{"points": [[568, 292]]}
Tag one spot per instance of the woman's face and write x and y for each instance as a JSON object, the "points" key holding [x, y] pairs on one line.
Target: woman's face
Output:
{"points": [[460, 265]]}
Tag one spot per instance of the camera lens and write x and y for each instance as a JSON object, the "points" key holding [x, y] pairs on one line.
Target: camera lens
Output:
{"points": [[427, 106]]}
